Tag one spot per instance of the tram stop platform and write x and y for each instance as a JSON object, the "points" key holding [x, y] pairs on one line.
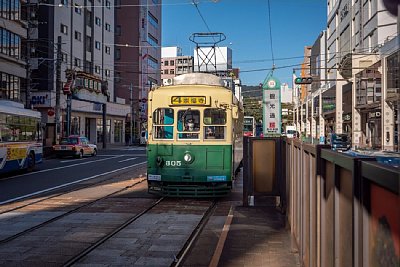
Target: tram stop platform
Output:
{"points": [[258, 235], [252, 236]]}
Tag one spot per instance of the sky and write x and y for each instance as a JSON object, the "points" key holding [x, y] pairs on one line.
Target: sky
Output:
{"points": [[245, 23]]}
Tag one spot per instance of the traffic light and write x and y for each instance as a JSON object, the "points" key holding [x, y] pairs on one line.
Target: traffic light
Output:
{"points": [[303, 80]]}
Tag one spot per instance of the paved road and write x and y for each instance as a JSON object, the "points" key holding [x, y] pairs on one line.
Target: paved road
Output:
{"points": [[54, 174]]}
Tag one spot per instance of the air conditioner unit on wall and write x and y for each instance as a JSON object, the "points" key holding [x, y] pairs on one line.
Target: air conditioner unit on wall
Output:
{"points": [[168, 81]]}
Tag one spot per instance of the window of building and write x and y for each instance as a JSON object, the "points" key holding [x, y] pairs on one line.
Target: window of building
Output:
{"points": [[64, 29], [118, 30], [9, 86], [117, 77], [97, 69], [10, 9], [10, 43], [78, 36], [77, 62], [88, 43], [98, 21], [108, 4], [97, 45], [64, 57], [107, 73], [172, 63], [89, 18], [165, 71], [152, 40], [166, 63], [108, 50], [171, 71], [108, 27], [88, 66], [64, 2], [117, 53], [78, 9], [152, 62], [153, 20]]}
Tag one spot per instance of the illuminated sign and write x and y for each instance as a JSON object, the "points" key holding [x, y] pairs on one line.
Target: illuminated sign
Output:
{"points": [[188, 100]]}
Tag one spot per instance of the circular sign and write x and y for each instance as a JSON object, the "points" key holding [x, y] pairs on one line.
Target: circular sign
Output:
{"points": [[50, 112], [271, 83]]}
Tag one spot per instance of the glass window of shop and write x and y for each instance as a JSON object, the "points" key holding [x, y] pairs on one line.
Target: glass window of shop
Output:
{"points": [[99, 128], [74, 126], [393, 63], [9, 86], [118, 131]]}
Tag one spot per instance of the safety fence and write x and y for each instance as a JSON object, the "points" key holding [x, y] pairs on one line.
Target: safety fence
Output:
{"points": [[343, 210]]}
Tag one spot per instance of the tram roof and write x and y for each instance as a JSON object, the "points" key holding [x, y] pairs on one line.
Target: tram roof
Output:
{"points": [[198, 78], [15, 108]]}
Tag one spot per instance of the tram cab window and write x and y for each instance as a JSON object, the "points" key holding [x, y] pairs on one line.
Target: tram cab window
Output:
{"points": [[163, 120], [188, 124], [213, 120]]}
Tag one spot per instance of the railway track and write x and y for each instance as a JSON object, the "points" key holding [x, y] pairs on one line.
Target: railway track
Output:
{"points": [[127, 222]]}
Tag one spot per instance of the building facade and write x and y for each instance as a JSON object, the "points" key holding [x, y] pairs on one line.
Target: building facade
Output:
{"points": [[73, 51], [13, 36], [360, 94], [173, 63]]}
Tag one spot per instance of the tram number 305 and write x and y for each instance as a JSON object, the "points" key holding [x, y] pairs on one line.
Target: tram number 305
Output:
{"points": [[173, 163]]}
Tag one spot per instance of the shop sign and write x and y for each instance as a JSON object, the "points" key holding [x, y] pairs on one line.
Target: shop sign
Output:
{"points": [[346, 117], [374, 115], [41, 100]]}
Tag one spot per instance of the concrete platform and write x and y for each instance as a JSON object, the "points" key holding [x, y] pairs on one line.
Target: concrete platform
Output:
{"points": [[256, 236]]}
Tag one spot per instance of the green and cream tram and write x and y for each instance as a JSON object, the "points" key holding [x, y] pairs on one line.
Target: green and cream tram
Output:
{"points": [[195, 137]]}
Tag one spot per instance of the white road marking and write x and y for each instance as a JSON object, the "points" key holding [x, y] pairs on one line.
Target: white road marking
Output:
{"points": [[67, 184], [127, 159], [63, 167]]}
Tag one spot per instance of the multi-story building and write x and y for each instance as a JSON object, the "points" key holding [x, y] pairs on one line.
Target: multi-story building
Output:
{"points": [[73, 46], [173, 63], [138, 55], [361, 90], [12, 55]]}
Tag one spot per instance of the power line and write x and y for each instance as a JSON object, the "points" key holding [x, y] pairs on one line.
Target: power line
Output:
{"points": [[270, 32]]}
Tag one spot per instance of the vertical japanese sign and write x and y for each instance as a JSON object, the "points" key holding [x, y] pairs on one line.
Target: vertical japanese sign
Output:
{"points": [[272, 106]]}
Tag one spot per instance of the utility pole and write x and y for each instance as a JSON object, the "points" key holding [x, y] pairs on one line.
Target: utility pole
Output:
{"points": [[132, 120], [58, 90]]}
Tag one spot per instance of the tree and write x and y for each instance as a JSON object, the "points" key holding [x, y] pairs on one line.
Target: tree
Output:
{"points": [[253, 107]]}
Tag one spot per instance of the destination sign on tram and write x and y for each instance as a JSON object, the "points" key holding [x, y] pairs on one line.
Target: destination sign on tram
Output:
{"points": [[188, 100]]}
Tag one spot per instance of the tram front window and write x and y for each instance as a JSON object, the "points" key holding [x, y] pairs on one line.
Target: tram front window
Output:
{"points": [[188, 124], [163, 120], [213, 119]]}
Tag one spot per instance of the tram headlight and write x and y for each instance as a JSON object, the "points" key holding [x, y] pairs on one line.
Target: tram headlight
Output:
{"points": [[188, 158]]}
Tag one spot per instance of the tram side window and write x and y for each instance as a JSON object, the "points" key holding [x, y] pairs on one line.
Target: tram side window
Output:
{"points": [[163, 120], [188, 124], [213, 119]]}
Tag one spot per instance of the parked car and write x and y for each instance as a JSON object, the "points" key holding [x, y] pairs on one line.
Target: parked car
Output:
{"points": [[340, 142], [75, 146]]}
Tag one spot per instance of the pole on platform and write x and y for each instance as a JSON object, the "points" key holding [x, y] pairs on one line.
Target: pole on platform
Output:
{"points": [[58, 91], [132, 120], [69, 108], [104, 125]]}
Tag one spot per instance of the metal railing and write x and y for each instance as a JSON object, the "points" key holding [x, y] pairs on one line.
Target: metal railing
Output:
{"points": [[342, 210]]}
